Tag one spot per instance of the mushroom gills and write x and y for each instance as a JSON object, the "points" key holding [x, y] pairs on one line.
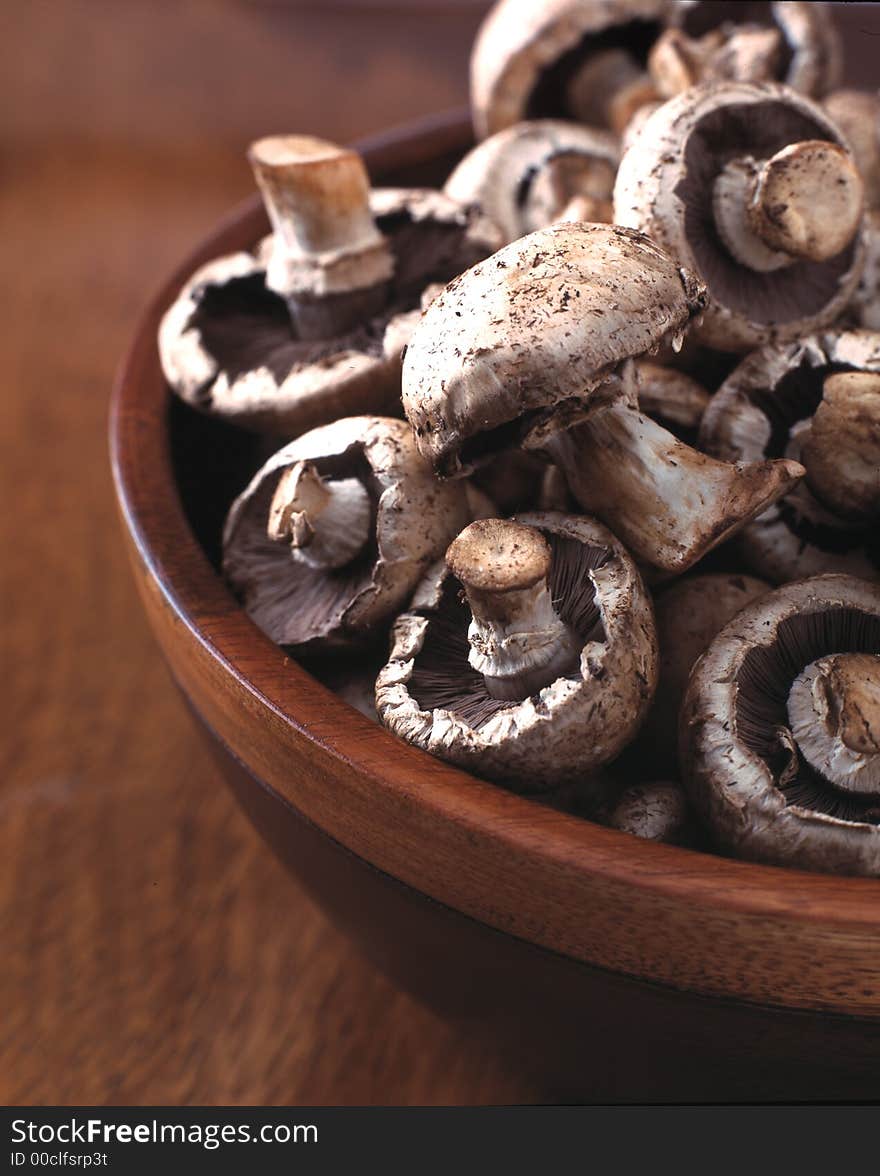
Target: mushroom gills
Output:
{"points": [[773, 684], [443, 676]]}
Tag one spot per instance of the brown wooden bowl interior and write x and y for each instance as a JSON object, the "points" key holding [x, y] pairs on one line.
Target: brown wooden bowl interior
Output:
{"points": [[672, 916]]}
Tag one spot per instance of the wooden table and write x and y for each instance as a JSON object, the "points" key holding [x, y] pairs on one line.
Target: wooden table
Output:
{"points": [[153, 950]]}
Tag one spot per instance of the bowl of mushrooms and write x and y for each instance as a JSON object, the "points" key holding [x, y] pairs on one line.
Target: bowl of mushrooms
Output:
{"points": [[507, 513]]}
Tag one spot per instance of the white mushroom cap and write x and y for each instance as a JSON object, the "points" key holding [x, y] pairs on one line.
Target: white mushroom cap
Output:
{"points": [[525, 176], [521, 344], [414, 518], [764, 409], [841, 451], [695, 180], [429, 695], [228, 348], [522, 45], [745, 775]]}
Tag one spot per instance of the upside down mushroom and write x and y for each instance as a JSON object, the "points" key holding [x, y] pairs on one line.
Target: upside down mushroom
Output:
{"points": [[332, 534], [311, 326], [816, 401], [780, 729], [537, 172], [754, 189], [546, 671]]}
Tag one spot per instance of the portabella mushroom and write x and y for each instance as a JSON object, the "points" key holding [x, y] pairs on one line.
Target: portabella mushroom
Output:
{"points": [[332, 534], [534, 173], [815, 401], [310, 327], [547, 670], [576, 59], [754, 189], [780, 729], [794, 43], [541, 336]]}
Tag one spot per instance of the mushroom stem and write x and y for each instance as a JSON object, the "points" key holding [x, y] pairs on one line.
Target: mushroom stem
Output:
{"points": [[804, 203], [570, 186], [841, 450], [608, 89], [834, 715], [328, 258], [326, 523], [518, 642], [666, 501]]}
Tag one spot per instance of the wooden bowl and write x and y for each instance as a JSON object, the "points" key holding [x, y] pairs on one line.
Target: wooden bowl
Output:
{"points": [[620, 969]]}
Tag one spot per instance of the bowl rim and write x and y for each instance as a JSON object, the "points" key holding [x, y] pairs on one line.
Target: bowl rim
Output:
{"points": [[517, 842]]}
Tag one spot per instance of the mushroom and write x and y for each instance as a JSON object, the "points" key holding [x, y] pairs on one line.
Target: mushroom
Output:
{"points": [[543, 672], [311, 327], [792, 401], [656, 810], [534, 173], [541, 336], [857, 114], [332, 534], [780, 728], [864, 309], [794, 43], [688, 613], [578, 59], [754, 189], [530, 340], [730, 52]]}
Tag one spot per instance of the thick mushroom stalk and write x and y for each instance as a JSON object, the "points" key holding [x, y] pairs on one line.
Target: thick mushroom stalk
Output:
{"points": [[804, 203], [666, 501], [834, 714], [517, 641], [328, 258], [608, 89], [841, 451], [326, 523]]}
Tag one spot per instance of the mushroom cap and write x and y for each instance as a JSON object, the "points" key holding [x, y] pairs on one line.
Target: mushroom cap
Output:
{"points": [[521, 40], [227, 346], [753, 416], [735, 707], [656, 810], [516, 348], [564, 730], [689, 614], [416, 517], [672, 398], [864, 309], [813, 52], [499, 172], [664, 188]]}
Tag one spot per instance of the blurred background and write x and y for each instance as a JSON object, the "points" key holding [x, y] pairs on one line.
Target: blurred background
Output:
{"points": [[153, 950]]}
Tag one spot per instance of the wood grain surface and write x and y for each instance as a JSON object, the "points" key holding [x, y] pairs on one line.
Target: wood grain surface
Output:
{"points": [[153, 949]]}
